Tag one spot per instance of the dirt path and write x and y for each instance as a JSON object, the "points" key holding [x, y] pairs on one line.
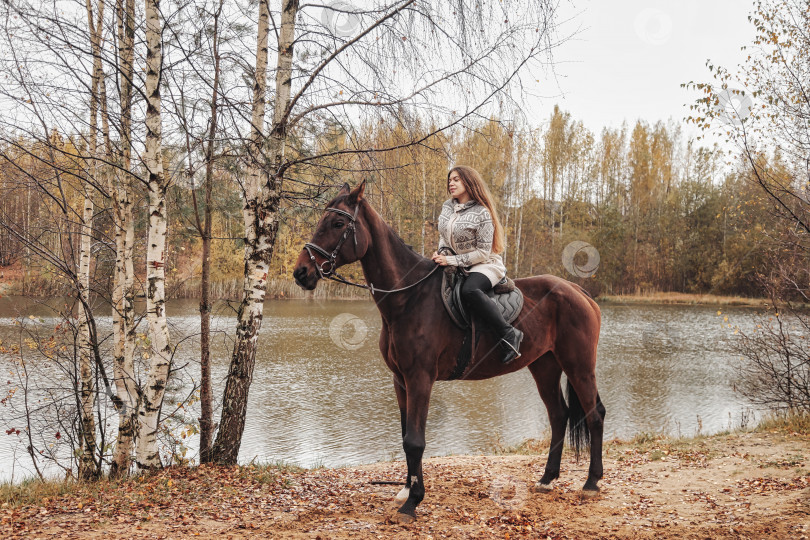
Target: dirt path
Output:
{"points": [[751, 485]]}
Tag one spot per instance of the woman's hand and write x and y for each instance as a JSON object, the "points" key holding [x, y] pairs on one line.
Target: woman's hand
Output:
{"points": [[439, 259]]}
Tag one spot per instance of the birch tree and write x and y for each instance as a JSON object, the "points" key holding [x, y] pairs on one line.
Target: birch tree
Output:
{"points": [[123, 293], [147, 453]]}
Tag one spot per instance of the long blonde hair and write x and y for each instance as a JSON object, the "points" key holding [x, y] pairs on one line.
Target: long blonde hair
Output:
{"points": [[479, 192]]}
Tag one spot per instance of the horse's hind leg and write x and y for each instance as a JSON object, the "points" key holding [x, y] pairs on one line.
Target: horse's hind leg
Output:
{"points": [[596, 427], [586, 416], [546, 372]]}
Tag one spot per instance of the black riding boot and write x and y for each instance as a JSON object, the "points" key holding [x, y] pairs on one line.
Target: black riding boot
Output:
{"points": [[510, 337]]}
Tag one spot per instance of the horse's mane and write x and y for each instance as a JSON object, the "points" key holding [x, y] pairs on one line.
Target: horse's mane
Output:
{"points": [[407, 245], [342, 198]]}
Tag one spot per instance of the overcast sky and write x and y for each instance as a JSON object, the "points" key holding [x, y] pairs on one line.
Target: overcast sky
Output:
{"points": [[630, 57]]}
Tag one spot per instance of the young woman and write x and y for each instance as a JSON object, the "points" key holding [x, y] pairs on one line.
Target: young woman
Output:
{"points": [[469, 225]]}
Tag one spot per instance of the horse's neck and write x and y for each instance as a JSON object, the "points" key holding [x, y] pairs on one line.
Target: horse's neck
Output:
{"points": [[390, 264]]}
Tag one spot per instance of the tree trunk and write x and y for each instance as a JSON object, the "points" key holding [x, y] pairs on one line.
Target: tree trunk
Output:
{"points": [[424, 205], [263, 195], [87, 463], [523, 199], [206, 406], [88, 468], [147, 455], [123, 292]]}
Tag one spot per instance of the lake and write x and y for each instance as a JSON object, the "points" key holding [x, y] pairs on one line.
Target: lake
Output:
{"points": [[321, 394]]}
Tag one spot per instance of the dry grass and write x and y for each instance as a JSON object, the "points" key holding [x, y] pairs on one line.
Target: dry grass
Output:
{"points": [[797, 422], [285, 289], [34, 490], [684, 299]]}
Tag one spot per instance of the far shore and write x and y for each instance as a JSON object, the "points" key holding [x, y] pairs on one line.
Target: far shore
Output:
{"points": [[287, 289], [678, 298]]}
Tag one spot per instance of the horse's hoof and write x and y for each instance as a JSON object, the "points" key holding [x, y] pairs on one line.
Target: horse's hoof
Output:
{"points": [[540, 487], [403, 519], [589, 493], [402, 496]]}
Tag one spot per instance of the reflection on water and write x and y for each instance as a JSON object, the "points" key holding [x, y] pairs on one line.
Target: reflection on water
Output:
{"points": [[325, 397]]}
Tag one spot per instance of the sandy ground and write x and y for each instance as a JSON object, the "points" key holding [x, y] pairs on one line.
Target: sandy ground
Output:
{"points": [[748, 485]]}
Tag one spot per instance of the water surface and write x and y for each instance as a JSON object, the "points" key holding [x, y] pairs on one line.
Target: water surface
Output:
{"points": [[325, 397]]}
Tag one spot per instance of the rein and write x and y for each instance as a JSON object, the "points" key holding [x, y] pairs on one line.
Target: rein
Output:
{"points": [[331, 258]]}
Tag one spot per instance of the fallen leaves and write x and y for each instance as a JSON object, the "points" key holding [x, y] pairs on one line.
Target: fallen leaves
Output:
{"points": [[657, 490], [758, 486]]}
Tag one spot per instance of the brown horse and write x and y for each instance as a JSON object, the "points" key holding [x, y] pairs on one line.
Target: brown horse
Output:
{"points": [[420, 343]]}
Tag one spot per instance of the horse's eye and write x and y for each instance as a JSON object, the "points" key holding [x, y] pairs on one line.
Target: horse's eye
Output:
{"points": [[338, 225]]}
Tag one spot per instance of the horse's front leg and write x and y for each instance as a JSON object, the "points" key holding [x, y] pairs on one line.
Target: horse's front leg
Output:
{"points": [[402, 401], [417, 389]]}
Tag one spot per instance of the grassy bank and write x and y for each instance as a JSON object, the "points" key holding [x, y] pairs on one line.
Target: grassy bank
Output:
{"points": [[277, 289], [684, 299]]}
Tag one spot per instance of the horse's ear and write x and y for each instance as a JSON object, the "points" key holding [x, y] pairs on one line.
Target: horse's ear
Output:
{"points": [[344, 190], [357, 193]]}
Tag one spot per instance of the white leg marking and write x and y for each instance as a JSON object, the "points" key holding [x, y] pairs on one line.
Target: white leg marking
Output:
{"points": [[402, 496], [539, 487]]}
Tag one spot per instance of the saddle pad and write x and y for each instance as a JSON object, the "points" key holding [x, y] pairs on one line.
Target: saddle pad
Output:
{"points": [[509, 303]]}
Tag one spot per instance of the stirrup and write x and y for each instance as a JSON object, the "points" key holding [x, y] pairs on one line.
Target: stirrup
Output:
{"points": [[512, 353]]}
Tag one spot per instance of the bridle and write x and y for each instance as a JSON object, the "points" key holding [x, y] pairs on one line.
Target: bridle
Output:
{"points": [[331, 258]]}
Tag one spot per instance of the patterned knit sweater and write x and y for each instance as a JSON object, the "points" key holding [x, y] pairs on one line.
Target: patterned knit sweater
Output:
{"points": [[468, 229]]}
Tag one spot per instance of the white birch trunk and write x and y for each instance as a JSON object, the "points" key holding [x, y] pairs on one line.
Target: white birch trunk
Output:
{"points": [[147, 455], [124, 293], [261, 224], [87, 463]]}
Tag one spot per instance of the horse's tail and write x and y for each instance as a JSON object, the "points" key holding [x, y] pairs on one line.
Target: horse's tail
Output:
{"points": [[578, 434]]}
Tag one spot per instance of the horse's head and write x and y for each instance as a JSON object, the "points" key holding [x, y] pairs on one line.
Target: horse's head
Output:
{"points": [[340, 238]]}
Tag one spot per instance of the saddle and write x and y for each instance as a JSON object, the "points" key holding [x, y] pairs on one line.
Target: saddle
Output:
{"points": [[505, 294]]}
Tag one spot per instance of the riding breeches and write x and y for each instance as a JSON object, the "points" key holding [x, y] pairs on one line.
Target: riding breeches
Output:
{"points": [[473, 294]]}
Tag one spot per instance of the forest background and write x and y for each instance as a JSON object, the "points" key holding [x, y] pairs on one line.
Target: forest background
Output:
{"points": [[664, 213]]}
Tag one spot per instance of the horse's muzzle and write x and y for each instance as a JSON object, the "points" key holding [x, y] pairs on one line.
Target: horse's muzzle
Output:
{"points": [[304, 279]]}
